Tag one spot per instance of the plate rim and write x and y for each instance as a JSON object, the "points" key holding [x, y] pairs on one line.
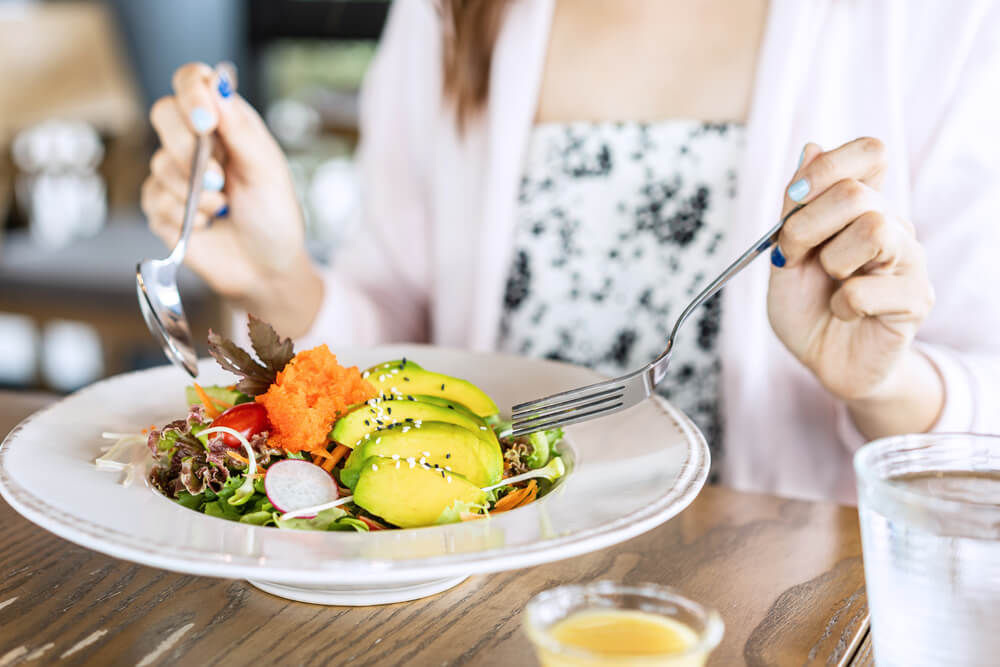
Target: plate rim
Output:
{"points": [[118, 544]]}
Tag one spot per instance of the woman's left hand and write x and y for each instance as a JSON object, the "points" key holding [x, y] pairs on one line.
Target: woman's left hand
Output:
{"points": [[849, 289]]}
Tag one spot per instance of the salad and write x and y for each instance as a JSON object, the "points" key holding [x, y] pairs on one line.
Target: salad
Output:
{"points": [[300, 441]]}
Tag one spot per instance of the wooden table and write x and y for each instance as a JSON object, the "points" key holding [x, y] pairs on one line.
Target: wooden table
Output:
{"points": [[785, 575]]}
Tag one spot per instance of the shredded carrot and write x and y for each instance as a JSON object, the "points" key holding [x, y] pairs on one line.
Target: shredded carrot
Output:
{"points": [[210, 408], [517, 498], [231, 387], [339, 452], [532, 494], [152, 427], [310, 394], [238, 457], [321, 453], [223, 405], [328, 465]]}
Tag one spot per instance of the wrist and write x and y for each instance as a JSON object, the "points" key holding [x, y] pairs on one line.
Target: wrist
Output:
{"points": [[289, 300], [909, 401]]}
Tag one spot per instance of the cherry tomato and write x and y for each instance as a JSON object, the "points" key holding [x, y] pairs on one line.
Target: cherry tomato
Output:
{"points": [[246, 418]]}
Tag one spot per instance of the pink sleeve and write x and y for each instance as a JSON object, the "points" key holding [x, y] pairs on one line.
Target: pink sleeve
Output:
{"points": [[956, 210], [376, 289]]}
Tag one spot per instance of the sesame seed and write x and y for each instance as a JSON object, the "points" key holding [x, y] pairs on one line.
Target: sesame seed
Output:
{"points": [[448, 468], [412, 462], [381, 378], [367, 423], [389, 410], [482, 428], [442, 386], [404, 361], [364, 376], [357, 443], [425, 466], [410, 397], [448, 478], [395, 457], [427, 453], [374, 468], [448, 455], [423, 460], [406, 379], [409, 419], [419, 422], [378, 440], [367, 436], [397, 465], [442, 474], [451, 407], [405, 429]]}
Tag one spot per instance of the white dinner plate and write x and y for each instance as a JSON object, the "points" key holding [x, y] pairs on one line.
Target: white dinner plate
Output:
{"points": [[629, 472]]}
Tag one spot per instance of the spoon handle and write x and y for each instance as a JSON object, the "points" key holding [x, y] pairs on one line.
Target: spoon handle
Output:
{"points": [[201, 152]]}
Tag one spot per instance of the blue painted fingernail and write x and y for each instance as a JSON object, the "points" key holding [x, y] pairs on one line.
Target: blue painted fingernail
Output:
{"points": [[777, 258], [202, 119], [802, 157], [225, 88], [798, 190], [213, 181], [222, 212]]}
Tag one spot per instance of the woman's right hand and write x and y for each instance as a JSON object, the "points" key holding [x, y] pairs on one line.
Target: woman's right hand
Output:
{"points": [[248, 243]]}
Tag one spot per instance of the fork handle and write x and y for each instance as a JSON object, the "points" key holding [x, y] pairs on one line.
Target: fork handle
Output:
{"points": [[713, 287]]}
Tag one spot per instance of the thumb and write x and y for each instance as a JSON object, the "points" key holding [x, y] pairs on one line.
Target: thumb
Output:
{"points": [[241, 130]]}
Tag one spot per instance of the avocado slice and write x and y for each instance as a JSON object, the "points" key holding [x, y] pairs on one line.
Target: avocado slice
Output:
{"points": [[378, 414], [407, 379], [435, 443], [410, 497], [397, 364]]}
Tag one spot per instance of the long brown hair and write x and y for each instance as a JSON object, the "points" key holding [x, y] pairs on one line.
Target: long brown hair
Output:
{"points": [[470, 29]]}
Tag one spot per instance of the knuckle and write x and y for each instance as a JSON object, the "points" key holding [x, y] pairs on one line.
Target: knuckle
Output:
{"points": [[159, 163], [873, 146], [847, 189], [161, 109], [875, 229], [822, 168], [190, 74], [828, 260]]}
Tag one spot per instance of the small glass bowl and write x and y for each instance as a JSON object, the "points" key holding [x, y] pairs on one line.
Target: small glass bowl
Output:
{"points": [[551, 606]]}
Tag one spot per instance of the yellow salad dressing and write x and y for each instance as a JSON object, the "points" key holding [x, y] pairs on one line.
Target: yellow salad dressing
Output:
{"points": [[623, 637]]}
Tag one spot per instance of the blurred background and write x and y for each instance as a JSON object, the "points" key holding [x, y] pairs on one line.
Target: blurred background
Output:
{"points": [[76, 83]]}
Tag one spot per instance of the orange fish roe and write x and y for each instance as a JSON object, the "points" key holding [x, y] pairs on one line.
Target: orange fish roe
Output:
{"points": [[311, 393]]}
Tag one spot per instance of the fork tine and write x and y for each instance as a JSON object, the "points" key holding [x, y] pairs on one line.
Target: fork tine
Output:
{"points": [[567, 407], [523, 428], [569, 397]]}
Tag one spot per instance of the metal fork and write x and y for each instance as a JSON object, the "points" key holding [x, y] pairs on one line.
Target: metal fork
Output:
{"points": [[610, 396]]}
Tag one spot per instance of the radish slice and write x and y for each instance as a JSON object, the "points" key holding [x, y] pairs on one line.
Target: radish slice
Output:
{"points": [[292, 485]]}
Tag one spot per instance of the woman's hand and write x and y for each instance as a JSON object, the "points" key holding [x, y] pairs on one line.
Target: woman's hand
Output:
{"points": [[849, 289], [248, 242]]}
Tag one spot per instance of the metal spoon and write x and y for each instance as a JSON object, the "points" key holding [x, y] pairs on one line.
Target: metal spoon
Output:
{"points": [[156, 279]]}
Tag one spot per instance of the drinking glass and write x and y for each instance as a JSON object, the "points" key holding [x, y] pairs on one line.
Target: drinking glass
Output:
{"points": [[929, 507], [549, 607]]}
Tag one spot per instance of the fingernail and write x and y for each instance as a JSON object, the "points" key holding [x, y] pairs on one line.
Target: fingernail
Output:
{"points": [[222, 212], [213, 181], [225, 87], [202, 119], [777, 258], [798, 190], [802, 157]]}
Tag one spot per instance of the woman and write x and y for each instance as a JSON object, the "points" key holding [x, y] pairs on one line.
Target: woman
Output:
{"points": [[558, 179]]}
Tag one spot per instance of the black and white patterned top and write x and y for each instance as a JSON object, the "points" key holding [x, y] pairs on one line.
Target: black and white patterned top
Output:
{"points": [[618, 226]]}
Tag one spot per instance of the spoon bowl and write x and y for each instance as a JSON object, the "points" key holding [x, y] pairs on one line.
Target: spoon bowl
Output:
{"points": [[160, 302]]}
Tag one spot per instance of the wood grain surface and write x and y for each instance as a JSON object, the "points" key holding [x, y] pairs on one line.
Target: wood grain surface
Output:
{"points": [[785, 575]]}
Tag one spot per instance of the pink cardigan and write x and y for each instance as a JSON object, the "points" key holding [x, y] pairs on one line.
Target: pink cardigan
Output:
{"points": [[432, 254]]}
